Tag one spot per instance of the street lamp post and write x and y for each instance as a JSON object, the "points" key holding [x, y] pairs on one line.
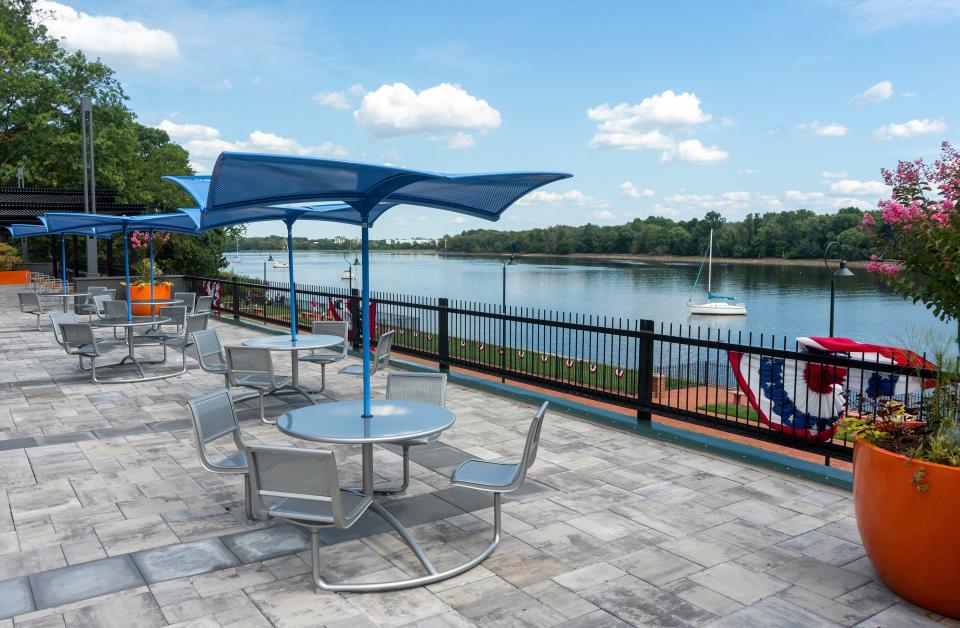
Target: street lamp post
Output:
{"points": [[356, 262], [505, 261], [842, 271]]}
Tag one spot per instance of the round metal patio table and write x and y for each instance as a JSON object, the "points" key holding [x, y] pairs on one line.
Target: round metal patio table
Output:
{"points": [[63, 297], [128, 325], [342, 422], [306, 342]]}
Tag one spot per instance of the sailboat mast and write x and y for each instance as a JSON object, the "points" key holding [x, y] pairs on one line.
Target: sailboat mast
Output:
{"points": [[710, 264]]}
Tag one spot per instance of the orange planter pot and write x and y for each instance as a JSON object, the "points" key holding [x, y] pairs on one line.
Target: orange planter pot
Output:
{"points": [[909, 534], [142, 293], [14, 277]]}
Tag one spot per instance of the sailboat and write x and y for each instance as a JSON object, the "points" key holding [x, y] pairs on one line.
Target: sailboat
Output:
{"points": [[716, 304], [236, 256], [281, 263]]}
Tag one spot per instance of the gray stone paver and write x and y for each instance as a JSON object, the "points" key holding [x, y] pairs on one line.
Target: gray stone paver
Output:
{"points": [[612, 529]]}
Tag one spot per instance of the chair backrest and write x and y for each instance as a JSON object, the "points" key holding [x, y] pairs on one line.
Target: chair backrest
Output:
{"points": [[209, 350], [77, 336], [423, 387], [533, 442], [381, 358], [96, 290], [28, 300], [59, 319], [330, 328], [98, 301], [213, 418], [189, 299], [296, 472], [203, 304], [112, 308], [243, 361], [176, 313]]}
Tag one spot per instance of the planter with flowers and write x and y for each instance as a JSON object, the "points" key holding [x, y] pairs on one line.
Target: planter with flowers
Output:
{"points": [[140, 287], [907, 460], [9, 263]]}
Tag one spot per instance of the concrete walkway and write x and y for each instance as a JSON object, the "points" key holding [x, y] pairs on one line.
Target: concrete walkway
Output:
{"points": [[107, 519]]}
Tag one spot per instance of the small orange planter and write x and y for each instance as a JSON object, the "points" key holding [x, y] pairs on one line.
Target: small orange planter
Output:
{"points": [[161, 292], [12, 277], [909, 534]]}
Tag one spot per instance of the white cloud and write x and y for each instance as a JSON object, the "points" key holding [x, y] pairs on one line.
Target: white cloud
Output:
{"points": [[444, 111], [337, 100], [729, 203], [205, 142], [188, 131], [112, 38], [803, 197], [573, 197], [910, 128], [629, 190], [692, 151], [460, 140], [876, 93], [603, 214], [822, 201], [833, 129], [631, 141], [356, 90], [736, 197], [852, 187], [631, 127], [833, 174]]}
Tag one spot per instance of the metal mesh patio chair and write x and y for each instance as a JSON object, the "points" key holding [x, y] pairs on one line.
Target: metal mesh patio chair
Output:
{"points": [[114, 309], [213, 419], [379, 360], [79, 340], [304, 487], [210, 353], [90, 304], [323, 357], [30, 304], [189, 300], [423, 387], [160, 333], [252, 367], [58, 319], [203, 304], [184, 340], [500, 477]]}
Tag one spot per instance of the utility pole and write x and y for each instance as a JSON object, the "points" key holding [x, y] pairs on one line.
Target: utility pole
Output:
{"points": [[23, 241], [89, 177]]}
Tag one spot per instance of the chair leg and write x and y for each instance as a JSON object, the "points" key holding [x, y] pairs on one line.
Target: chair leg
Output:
{"points": [[323, 377], [247, 497], [263, 418], [315, 559], [406, 477]]}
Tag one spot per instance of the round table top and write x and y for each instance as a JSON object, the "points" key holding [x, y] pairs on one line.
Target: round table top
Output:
{"points": [[136, 321], [162, 302], [341, 421], [60, 295], [304, 342]]}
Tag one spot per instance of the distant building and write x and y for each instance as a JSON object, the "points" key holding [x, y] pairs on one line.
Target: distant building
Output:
{"points": [[413, 241], [339, 240]]}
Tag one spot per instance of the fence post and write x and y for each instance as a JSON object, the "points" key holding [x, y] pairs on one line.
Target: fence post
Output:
{"points": [[443, 334], [356, 325], [236, 300], [645, 370]]}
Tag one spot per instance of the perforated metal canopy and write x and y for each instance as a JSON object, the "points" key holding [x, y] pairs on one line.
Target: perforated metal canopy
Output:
{"points": [[183, 221], [253, 181]]}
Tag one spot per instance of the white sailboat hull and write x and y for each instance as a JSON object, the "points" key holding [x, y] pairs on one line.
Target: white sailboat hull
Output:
{"points": [[281, 265], [718, 308]]}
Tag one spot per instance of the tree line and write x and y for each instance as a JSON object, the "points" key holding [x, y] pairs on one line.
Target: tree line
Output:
{"points": [[277, 243], [799, 234]]}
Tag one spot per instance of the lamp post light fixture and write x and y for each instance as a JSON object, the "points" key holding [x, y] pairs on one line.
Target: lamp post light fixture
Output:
{"points": [[842, 271], [356, 262], [505, 260]]}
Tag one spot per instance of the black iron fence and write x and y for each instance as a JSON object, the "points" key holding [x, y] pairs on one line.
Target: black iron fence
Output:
{"points": [[762, 387]]}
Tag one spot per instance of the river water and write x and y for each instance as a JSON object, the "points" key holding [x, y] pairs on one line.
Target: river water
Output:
{"points": [[781, 300]]}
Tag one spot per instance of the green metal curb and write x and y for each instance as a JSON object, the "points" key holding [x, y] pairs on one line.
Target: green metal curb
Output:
{"points": [[747, 453]]}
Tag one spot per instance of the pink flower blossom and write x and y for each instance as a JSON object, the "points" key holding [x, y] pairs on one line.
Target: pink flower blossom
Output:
{"points": [[868, 221]]}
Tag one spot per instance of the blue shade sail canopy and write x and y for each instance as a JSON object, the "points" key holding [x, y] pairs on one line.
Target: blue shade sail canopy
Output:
{"points": [[254, 180], [25, 231]]}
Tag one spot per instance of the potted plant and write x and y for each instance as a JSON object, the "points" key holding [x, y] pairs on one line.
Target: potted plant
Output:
{"points": [[140, 287], [9, 264], [906, 483]]}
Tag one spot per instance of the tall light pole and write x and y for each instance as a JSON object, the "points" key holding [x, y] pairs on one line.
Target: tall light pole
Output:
{"points": [[505, 261], [842, 271], [89, 177], [356, 262]]}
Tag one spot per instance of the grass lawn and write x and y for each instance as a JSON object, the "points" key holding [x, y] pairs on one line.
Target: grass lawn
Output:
{"points": [[731, 410]]}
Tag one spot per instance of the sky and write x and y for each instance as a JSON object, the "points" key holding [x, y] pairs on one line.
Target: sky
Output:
{"points": [[657, 109]]}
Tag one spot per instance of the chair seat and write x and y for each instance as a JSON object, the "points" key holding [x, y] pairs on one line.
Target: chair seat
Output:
{"points": [[237, 462], [354, 369], [308, 511], [216, 368], [418, 441], [262, 381], [485, 476], [321, 358]]}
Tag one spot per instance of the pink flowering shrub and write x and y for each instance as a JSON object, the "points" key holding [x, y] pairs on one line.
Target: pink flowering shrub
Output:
{"points": [[918, 232]]}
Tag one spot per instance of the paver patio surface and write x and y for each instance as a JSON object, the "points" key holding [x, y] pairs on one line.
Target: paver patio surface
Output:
{"points": [[107, 519]]}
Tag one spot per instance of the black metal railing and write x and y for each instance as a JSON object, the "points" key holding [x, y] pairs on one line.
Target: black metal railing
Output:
{"points": [[683, 373]]}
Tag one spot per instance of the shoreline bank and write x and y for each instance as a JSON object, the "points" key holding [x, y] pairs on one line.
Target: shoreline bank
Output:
{"points": [[627, 257]]}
